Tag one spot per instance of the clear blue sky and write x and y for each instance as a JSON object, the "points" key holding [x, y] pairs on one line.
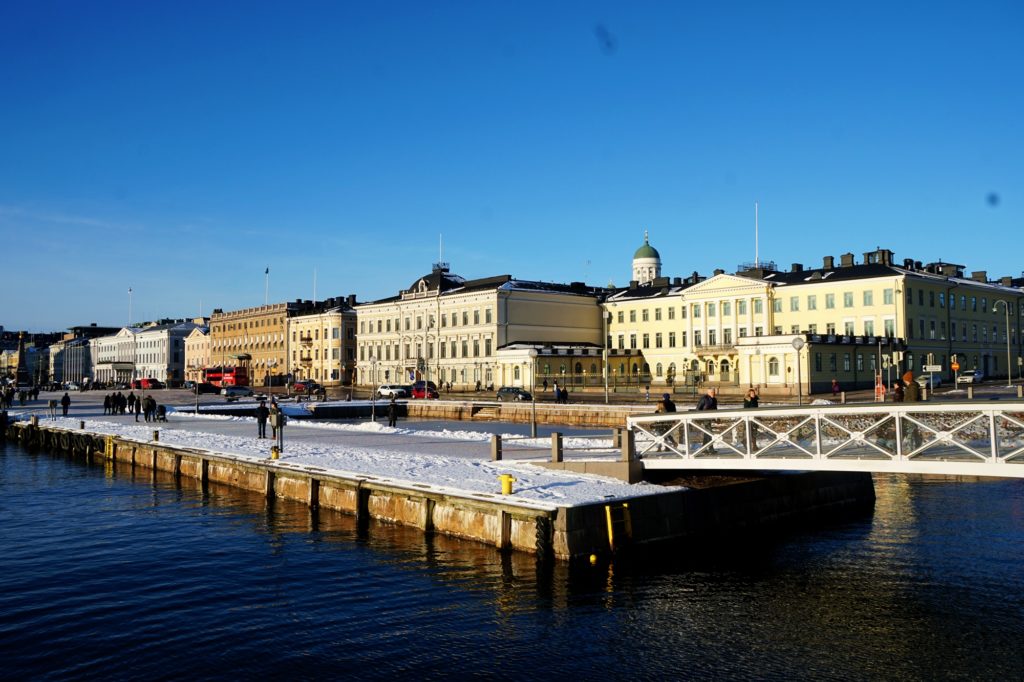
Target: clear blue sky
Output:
{"points": [[180, 148]]}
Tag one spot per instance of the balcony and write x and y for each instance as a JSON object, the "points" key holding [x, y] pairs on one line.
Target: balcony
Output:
{"points": [[306, 340], [306, 359], [718, 349]]}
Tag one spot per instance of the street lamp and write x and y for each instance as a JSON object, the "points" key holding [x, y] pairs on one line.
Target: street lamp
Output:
{"points": [[533, 392], [1009, 368], [798, 343], [373, 388]]}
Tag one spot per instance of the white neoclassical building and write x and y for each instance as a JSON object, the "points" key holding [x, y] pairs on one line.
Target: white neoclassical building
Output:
{"points": [[447, 329]]}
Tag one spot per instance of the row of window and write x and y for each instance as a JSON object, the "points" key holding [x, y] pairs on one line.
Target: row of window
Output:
{"points": [[392, 324], [414, 351], [926, 329], [940, 296], [315, 354], [335, 333], [248, 324]]}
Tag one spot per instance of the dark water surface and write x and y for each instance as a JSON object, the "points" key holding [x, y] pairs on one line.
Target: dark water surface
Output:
{"points": [[111, 575]]}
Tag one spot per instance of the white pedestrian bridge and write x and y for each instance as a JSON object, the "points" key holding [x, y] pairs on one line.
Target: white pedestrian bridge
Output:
{"points": [[964, 438]]}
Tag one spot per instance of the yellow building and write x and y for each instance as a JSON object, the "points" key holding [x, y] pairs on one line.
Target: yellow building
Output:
{"points": [[854, 321], [197, 353], [447, 329], [322, 343]]}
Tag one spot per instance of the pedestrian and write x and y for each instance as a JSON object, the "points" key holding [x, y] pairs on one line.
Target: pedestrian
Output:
{"points": [[137, 405], [545, 385], [53, 408], [131, 401], [65, 403], [392, 412], [666, 406], [647, 394], [835, 388], [897, 392], [750, 402], [911, 390], [262, 414], [106, 404], [275, 415], [708, 401]]}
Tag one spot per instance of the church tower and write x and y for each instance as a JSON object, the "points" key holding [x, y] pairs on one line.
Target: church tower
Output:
{"points": [[646, 263]]}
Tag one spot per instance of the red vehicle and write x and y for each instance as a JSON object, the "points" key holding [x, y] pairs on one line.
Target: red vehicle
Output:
{"points": [[424, 389], [226, 376], [147, 383]]}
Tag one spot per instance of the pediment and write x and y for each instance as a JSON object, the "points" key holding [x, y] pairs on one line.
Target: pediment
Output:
{"points": [[733, 285]]}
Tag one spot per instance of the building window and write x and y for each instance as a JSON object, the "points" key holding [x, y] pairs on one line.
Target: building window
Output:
{"points": [[657, 340], [696, 311], [726, 309], [622, 341], [832, 362], [727, 336], [777, 330], [711, 309], [847, 299], [476, 348], [890, 327], [465, 318], [657, 369], [848, 328], [869, 327], [487, 347], [794, 329], [817, 362], [860, 362], [657, 314], [812, 302], [632, 341], [741, 307], [644, 315], [696, 337], [773, 366], [887, 297], [672, 313], [931, 299], [830, 301], [647, 341], [758, 306], [476, 317], [974, 304], [712, 337], [869, 298], [671, 339], [465, 349], [632, 316], [682, 339], [777, 305], [846, 362]]}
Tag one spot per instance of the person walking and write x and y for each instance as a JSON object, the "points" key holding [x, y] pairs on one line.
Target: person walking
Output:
{"points": [[666, 406], [275, 412], [708, 401], [911, 390], [65, 403], [392, 412], [136, 407], [262, 414], [835, 388], [750, 402], [131, 401], [106, 404]]}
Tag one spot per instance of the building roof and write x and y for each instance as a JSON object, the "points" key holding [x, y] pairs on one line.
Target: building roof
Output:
{"points": [[450, 284]]}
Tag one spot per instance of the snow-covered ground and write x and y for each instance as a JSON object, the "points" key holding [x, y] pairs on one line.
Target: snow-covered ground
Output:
{"points": [[405, 456]]}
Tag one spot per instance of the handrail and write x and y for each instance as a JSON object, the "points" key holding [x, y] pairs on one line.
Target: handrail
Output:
{"points": [[959, 438]]}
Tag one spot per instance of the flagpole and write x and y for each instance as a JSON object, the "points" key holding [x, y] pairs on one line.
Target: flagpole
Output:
{"points": [[266, 286]]}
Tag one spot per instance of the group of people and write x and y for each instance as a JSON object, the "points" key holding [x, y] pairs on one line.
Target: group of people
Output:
{"points": [[907, 390], [118, 403], [265, 414], [23, 394]]}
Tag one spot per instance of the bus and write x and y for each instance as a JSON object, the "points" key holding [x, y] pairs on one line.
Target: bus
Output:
{"points": [[226, 376]]}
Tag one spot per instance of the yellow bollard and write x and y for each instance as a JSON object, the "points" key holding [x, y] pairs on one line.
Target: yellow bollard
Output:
{"points": [[275, 453], [506, 483]]}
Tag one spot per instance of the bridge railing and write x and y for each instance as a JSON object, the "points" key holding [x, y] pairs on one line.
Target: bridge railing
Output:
{"points": [[960, 438]]}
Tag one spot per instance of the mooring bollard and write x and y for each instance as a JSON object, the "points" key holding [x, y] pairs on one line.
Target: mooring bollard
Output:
{"points": [[275, 452], [924, 393], [495, 448], [1020, 391], [556, 447], [970, 392], [842, 397], [506, 483], [156, 435], [81, 425], [616, 438], [35, 420]]}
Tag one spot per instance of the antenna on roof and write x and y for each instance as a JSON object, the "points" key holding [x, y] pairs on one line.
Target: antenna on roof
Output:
{"points": [[757, 263]]}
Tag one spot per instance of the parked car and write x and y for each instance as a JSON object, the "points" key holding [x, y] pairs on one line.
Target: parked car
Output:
{"points": [[424, 390], [305, 387], [147, 383], [206, 388], [513, 393], [236, 392], [971, 376], [923, 381], [72, 386], [396, 390]]}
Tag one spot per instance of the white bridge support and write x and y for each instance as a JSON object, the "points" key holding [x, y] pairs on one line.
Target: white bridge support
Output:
{"points": [[962, 439]]}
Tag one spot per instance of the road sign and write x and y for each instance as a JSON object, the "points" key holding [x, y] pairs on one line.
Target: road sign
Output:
{"points": [[933, 368], [955, 367]]}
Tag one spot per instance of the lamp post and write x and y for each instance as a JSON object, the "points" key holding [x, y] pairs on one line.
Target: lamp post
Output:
{"points": [[798, 344], [533, 392], [373, 388], [1009, 367]]}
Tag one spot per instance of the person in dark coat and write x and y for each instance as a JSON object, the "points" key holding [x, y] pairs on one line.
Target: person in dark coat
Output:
{"points": [[106, 404], [666, 406], [65, 403], [392, 412], [750, 402], [897, 392], [262, 414], [911, 390], [136, 407], [708, 401]]}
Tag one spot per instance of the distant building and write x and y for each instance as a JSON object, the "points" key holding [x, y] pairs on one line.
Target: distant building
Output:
{"points": [[322, 342], [447, 329]]}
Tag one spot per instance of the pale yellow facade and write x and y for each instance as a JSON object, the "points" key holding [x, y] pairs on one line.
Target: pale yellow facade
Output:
{"points": [[251, 337], [857, 324], [197, 354], [322, 346], [455, 337]]}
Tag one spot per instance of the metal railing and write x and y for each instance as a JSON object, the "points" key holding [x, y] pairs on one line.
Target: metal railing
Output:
{"points": [[947, 438]]}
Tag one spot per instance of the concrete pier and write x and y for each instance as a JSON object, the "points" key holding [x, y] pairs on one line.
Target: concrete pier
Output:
{"points": [[544, 529]]}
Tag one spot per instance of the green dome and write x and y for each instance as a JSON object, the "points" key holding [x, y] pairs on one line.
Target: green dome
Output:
{"points": [[646, 251]]}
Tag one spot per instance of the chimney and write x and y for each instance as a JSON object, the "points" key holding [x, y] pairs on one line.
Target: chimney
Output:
{"points": [[797, 267], [719, 271], [351, 300], [633, 284], [829, 263], [908, 263], [846, 260], [1006, 281], [979, 276], [677, 281]]}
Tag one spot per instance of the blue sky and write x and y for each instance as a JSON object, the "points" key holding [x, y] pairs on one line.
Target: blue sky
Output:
{"points": [[180, 148]]}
